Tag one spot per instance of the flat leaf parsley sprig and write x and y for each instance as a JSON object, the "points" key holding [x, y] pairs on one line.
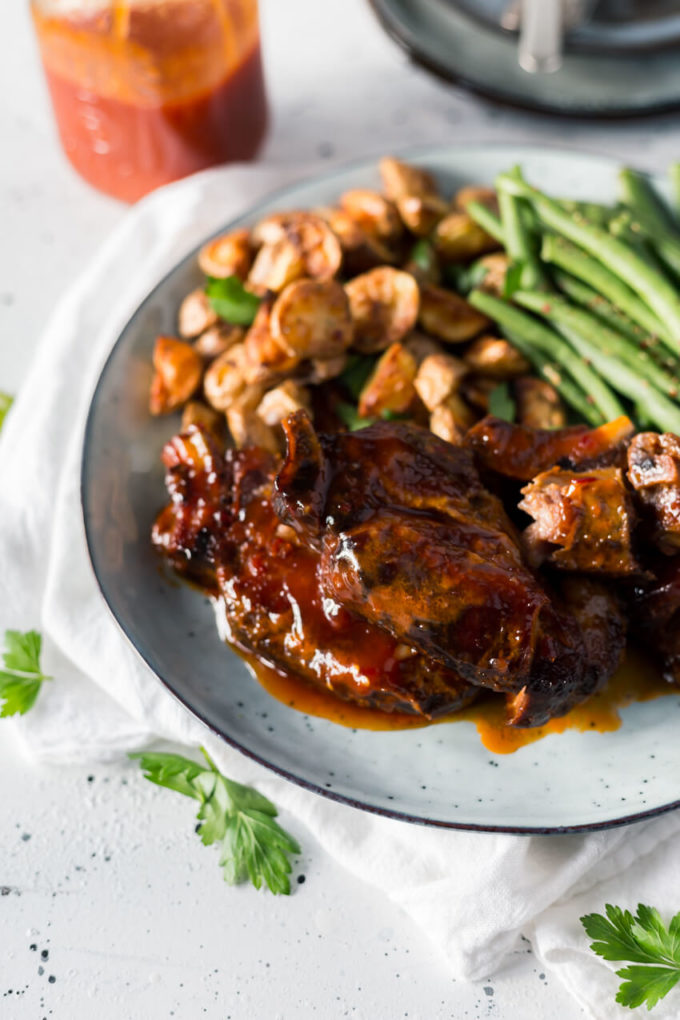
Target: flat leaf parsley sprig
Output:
{"points": [[22, 677], [643, 941], [253, 844]]}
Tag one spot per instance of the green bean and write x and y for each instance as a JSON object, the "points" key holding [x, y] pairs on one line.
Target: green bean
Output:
{"points": [[594, 211], [561, 312], [674, 175], [551, 344], [652, 286], [570, 391], [487, 220], [629, 382], [518, 241], [582, 294], [640, 197], [566, 255]]}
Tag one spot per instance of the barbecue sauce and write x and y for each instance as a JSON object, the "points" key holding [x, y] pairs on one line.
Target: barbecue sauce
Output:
{"points": [[145, 93], [636, 680]]}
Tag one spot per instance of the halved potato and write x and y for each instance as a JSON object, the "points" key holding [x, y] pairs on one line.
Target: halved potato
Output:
{"points": [[538, 404], [438, 377], [198, 413], [403, 179], [311, 319], [477, 193], [228, 255], [496, 265], [195, 314], [449, 316], [384, 304], [266, 360], [458, 238], [225, 379], [451, 419], [283, 400], [421, 214], [304, 246], [218, 339], [495, 357], [361, 251], [322, 369], [390, 386], [178, 370], [374, 213], [246, 426]]}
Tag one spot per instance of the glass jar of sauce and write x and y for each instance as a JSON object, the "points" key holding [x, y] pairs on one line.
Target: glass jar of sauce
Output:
{"points": [[147, 91]]}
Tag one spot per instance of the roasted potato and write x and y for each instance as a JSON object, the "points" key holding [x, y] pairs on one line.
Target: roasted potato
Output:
{"points": [[495, 357], [401, 179], [496, 266], [283, 400], [218, 339], [266, 360], [458, 238], [246, 426], [451, 419], [360, 251], [390, 385], [421, 214], [476, 193], [375, 214], [178, 370], [322, 369], [306, 246], [225, 379], [538, 404], [311, 319], [438, 377], [422, 346], [195, 314], [228, 255], [384, 306], [448, 316], [198, 413]]}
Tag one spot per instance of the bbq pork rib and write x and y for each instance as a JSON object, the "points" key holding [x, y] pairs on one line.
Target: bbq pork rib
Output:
{"points": [[220, 530], [411, 541], [377, 565]]}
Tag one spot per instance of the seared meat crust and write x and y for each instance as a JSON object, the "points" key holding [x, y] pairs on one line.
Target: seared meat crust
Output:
{"points": [[654, 473], [412, 542]]}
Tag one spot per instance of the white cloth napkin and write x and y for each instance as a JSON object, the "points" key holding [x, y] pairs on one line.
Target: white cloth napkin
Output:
{"points": [[472, 894]]}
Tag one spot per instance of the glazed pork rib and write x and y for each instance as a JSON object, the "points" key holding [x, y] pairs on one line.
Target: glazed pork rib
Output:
{"points": [[221, 530], [411, 541]]}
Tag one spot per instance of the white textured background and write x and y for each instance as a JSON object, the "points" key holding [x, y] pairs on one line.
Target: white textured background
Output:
{"points": [[99, 871]]}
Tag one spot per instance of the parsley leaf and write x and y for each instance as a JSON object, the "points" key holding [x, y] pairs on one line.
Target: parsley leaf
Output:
{"points": [[5, 404], [253, 846], [501, 404], [424, 255], [349, 416], [22, 677], [643, 941], [231, 301]]}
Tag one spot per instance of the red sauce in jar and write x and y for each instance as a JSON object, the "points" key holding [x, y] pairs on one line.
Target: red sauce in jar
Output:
{"points": [[147, 94]]}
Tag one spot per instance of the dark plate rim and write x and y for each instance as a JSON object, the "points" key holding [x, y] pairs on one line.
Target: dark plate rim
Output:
{"points": [[88, 471], [417, 53]]}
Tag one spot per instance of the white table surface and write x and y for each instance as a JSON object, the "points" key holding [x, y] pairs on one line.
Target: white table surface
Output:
{"points": [[100, 872]]}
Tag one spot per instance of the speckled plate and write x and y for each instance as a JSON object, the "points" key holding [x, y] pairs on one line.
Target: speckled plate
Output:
{"points": [[440, 775]]}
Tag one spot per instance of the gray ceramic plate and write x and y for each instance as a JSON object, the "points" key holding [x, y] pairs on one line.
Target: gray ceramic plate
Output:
{"points": [[441, 775]]}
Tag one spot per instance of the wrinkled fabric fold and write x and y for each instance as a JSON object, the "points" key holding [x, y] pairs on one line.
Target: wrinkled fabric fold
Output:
{"points": [[472, 895]]}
